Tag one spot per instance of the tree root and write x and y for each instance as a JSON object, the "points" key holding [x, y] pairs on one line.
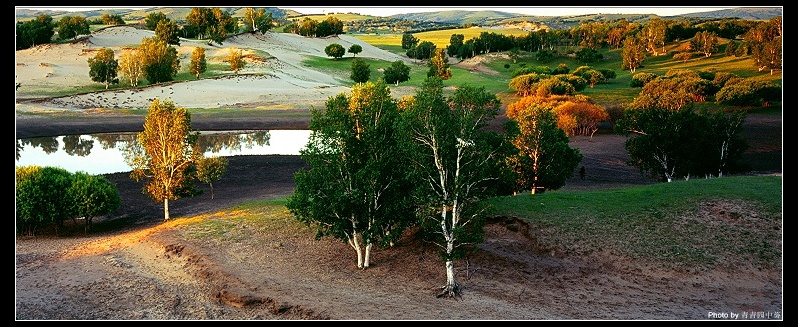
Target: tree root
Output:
{"points": [[450, 291]]}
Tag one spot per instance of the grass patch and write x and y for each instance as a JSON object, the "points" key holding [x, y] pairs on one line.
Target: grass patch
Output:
{"points": [[244, 221], [697, 224]]}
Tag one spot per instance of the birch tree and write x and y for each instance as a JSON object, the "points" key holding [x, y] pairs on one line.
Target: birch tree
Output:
{"points": [[356, 187], [198, 63], [164, 152], [455, 165], [131, 66]]}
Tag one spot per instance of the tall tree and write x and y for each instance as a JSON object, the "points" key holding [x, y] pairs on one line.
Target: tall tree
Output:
{"points": [[543, 157], [69, 27], [198, 63], [360, 71], [356, 187], [257, 20], [131, 66], [409, 41], [653, 36], [705, 42], [153, 18], [35, 31], [103, 66], [632, 54], [456, 163], [660, 141], [164, 153], [161, 61], [167, 31]]}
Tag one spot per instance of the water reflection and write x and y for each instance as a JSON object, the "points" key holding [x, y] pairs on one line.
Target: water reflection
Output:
{"points": [[79, 152]]}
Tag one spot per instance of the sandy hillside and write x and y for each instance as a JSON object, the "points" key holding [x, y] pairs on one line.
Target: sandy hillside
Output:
{"points": [[274, 76]]}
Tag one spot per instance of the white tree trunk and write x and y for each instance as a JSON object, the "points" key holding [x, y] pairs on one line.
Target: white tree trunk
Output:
{"points": [[451, 283], [165, 209]]}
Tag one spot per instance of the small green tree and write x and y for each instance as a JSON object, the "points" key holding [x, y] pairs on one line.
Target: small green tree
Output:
{"points": [[397, 73], [164, 152], [335, 50], [92, 196], [354, 49], [211, 170], [409, 41], [40, 197], [198, 62], [360, 71], [103, 66]]}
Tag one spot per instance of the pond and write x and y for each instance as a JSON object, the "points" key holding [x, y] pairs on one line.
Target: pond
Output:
{"points": [[105, 153]]}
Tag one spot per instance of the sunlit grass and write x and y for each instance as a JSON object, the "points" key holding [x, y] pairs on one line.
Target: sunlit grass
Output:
{"points": [[660, 223]]}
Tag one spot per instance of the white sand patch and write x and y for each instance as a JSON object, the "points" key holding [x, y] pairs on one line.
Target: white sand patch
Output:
{"points": [[277, 78]]}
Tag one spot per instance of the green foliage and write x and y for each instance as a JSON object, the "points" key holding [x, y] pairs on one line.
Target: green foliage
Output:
{"points": [[354, 49], [641, 79], [748, 92], [360, 71], [257, 20], [103, 66], [40, 198], [69, 27], [409, 41], [356, 187], [588, 55], [531, 69], [658, 224], [92, 196], [424, 50], [397, 73], [456, 163], [153, 18], [165, 153], [35, 32], [334, 50], [666, 144], [211, 170], [544, 55]]}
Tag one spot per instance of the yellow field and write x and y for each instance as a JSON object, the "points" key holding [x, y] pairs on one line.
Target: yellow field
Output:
{"points": [[440, 38]]}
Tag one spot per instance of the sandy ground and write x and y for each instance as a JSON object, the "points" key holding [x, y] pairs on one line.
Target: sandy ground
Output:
{"points": [[274, 75], [133, 266]]}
